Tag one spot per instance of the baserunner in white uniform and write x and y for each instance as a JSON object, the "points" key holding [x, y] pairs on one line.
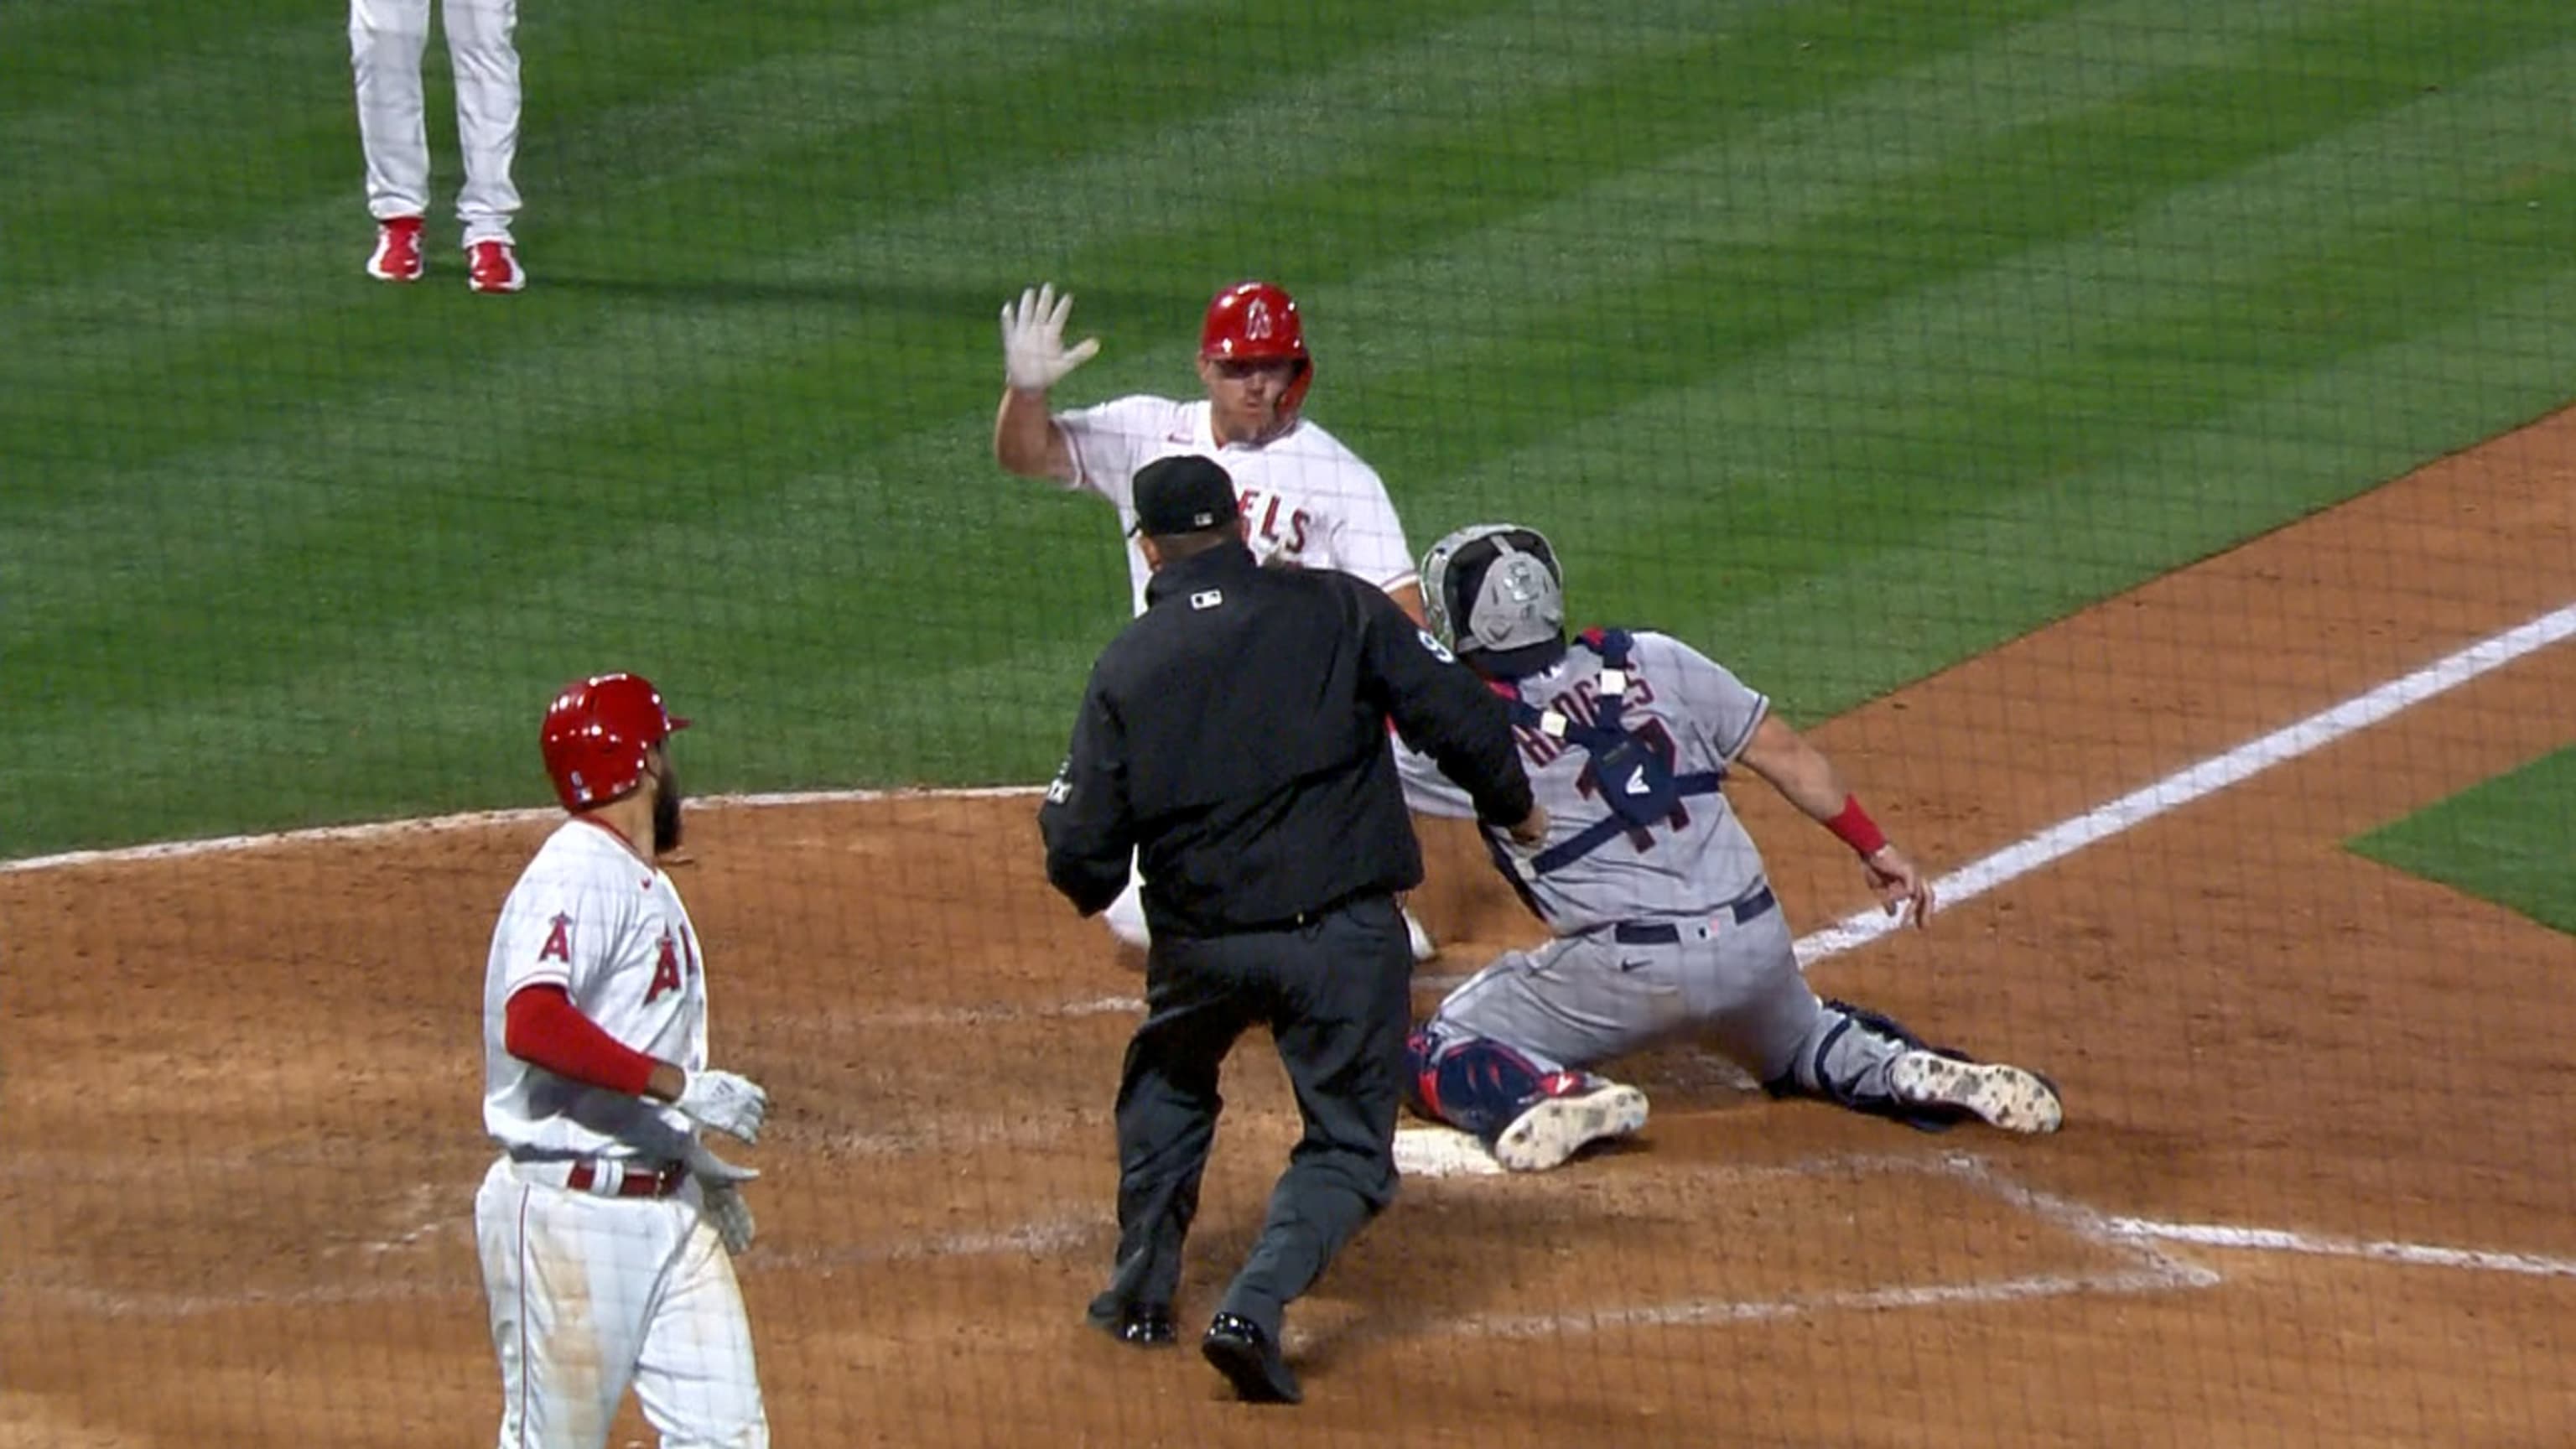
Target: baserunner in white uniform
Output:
{"points": [[1665, 925], [1307, 500], [606, 1228]]}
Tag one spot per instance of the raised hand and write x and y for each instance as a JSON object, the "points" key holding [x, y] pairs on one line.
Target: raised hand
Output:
{"points": [[1034, 357]]}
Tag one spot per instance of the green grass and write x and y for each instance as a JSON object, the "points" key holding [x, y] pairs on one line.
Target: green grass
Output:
{"points": [[1848, 338], [2511, 840]]}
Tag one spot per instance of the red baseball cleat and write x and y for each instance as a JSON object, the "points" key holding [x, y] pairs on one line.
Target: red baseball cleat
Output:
{"points": [[397, 255], [493, 266]]}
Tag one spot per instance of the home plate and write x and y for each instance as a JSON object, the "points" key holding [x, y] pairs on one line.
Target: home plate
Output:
{"points": [[1442, 1152]]}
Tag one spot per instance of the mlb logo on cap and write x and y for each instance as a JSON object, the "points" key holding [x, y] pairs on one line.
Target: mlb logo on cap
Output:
{"points": [[1187, 494]]}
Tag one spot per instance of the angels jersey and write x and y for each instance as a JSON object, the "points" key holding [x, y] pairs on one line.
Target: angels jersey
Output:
{"points": [[1306, 499], [593, 917], [1695, 714]]}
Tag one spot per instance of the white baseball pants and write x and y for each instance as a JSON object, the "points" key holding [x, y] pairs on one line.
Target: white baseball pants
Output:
{"points": [[386, 38], [590, 1294]]}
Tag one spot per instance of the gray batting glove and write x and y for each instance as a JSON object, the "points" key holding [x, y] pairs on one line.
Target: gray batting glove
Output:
{"points": [[720, 1196], [725, 1101], [1034, 357]]}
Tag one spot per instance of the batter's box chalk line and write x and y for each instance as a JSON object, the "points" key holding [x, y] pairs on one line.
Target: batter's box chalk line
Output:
{"points": [[2140, 1264]]}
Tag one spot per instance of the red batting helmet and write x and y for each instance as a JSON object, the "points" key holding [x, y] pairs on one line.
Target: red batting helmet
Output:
{"points": [[597, 733], [1256, 321]]}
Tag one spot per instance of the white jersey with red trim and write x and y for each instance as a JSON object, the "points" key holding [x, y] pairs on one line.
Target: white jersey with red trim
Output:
{"points": [[592, 916], [1306, 499]]}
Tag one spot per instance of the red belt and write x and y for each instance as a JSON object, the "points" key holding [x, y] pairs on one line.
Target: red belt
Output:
{"points": [[637, 1183]]}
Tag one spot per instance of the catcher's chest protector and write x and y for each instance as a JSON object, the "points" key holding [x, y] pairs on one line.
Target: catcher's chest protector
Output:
{"points": [[1632, 774]]}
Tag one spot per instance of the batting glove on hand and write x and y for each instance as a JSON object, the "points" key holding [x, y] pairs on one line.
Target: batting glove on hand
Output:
{"points": [[725, 1101], [720, 1196], [1034, 357]]}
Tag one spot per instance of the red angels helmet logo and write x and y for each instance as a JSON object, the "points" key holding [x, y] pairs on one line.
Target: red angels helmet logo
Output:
{"points": [[1255, 320]]}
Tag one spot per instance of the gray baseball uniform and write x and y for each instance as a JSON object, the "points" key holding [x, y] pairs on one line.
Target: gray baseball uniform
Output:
{"points": [[1665, 929]]}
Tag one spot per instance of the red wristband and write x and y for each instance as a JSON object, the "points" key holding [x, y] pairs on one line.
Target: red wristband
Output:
{"points": [[1857, 830]]}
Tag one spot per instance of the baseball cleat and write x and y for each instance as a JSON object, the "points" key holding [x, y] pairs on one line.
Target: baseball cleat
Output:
{"points": [[2007, 1097], [1424, 948], [493, 266], [397, 254], [1553, 1129]]}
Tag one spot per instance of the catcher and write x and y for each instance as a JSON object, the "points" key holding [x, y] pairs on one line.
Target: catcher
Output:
{"points": [[1665, 925]]}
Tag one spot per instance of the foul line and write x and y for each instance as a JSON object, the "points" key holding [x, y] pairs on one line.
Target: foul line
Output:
{"points": [[477, 820], [2274, 1240], [2208, 777]]}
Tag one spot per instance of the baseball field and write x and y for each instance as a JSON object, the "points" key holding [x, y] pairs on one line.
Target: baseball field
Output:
{"points": [[2131, 435]]}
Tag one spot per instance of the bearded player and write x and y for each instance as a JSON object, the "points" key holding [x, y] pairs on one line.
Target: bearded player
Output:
{"points": [[1665, 927], [1307, 500], [606, 1228]]}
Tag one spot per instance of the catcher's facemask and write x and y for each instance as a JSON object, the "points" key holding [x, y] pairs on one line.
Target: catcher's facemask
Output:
{"points": [[1493, 586]]}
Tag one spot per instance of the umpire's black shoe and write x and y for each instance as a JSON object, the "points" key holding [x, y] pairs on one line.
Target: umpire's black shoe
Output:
{"points": [[1136, 1325], [1247, 1357]]}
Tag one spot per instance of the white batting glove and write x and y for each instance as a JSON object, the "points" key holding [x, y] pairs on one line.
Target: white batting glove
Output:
{"points": [[1034, 357], [720, 1196], [725, 1101]]}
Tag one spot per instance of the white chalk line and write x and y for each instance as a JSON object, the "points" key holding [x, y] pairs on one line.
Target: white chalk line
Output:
{"points": [[475, 820], [2275, 1240], [2184, 786], [2143, 1268]]}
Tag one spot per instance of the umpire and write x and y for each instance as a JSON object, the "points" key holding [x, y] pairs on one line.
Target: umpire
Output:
{"points": [[1234, 739]]}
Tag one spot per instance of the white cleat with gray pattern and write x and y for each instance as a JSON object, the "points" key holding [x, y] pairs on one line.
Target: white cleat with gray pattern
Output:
{"points": [[2004, 1096], [1555, 1128]]}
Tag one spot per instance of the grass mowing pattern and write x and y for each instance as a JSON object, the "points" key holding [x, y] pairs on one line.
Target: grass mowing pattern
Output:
{"points": [[1847, 339]]}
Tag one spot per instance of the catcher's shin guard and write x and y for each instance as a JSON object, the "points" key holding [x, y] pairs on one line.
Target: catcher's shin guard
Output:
{"points": [[1854, 1074], [1472, 1083]]}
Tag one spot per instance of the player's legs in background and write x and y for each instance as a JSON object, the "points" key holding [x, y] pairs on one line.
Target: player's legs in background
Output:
{"points": [[487, 113], [565, 1286], [1504, 1056], [1126, 915], [696, 1377], [385, 42], [1417, 938]]}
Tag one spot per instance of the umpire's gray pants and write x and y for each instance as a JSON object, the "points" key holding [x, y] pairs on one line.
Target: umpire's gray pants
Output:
{"points": [[1336, 994]]}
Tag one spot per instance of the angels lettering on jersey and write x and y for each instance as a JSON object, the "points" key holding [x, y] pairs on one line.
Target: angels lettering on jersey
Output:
{"points": [[1305, 498]]}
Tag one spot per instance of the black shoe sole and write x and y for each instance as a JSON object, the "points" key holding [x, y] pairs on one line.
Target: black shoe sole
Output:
{"points": [[1247, 1368]]}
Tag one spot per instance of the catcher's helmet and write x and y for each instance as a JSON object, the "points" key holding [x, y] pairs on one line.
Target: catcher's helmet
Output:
{"points": [[1256, 321], [1494, 586], [597, 733]]}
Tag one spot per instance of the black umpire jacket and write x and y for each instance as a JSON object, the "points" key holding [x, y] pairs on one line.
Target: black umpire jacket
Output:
{"points": [[1235, 736]]}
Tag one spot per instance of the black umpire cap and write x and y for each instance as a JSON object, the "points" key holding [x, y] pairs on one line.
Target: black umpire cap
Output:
{"points": [[1184, 494]]}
